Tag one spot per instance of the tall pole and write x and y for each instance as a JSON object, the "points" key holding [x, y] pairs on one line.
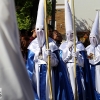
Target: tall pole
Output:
{"points": [[73, 12], [53, 13], [47, 47]]}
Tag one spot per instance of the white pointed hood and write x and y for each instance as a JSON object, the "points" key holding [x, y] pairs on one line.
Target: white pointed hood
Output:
{"points": [[40, 15], [68, 18], [95, 28], [40, 24]]}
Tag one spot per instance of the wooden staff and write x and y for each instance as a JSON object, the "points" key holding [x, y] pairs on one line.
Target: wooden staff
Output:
{"points": [[47, 47], [73, 12]]}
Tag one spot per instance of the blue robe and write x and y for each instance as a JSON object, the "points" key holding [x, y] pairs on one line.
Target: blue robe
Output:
{"points": [[79, 80], [62, 83], [95, 93], [63, 90], [83, 79], [87, 77]]}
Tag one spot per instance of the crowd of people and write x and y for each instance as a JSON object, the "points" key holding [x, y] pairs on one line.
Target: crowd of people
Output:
{"points": [[65, 58], [26, 39]]}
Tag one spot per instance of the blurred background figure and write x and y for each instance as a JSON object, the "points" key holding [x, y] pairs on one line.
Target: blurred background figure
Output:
{"points": [[50, 30], [24, 41], [57, 37], [14, 81], [33, 36]]}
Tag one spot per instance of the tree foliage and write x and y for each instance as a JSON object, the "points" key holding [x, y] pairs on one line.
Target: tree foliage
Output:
{"points": [[26, 11]]}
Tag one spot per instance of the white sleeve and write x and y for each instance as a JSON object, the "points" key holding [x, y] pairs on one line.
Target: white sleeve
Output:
{"points": [[66, 55]]}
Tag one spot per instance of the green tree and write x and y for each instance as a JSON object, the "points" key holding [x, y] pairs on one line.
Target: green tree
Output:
{"points": [[26, 11]]}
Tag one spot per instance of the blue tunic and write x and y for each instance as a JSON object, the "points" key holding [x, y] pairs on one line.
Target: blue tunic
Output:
{"points": [[63, 90], [83, 79], [87, 77], [62, 83]]}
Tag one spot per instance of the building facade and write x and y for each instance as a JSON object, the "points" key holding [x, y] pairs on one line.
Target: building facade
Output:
{"points": [[85, 12]]}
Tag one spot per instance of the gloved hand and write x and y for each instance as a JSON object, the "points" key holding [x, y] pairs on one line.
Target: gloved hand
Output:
{"points": [[70, 45], [69, 57], [75, 54], [46, 53], [53, 59], [36, 56]]}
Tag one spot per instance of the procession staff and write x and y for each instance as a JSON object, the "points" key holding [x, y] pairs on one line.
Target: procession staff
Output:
{"points": [[71, 3], [69, 56], [47, 47]]}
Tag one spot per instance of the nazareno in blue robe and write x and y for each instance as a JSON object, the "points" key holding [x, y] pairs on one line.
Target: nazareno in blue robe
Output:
{"points": [[63, 90], [84, 81], [87, 77]]}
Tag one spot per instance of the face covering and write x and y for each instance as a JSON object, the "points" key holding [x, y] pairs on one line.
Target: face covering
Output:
{"points": [[40, 36], [70, 36], [93, 40]]}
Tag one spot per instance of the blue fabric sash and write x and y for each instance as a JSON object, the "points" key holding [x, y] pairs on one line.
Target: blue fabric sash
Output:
{"points": [[87, 77], [96, 94], [30, 64], [80, 83], [63, 90], [43, 71]]}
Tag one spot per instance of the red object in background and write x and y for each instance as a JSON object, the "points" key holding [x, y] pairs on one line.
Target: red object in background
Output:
{"points": [[31, 39], [85, 36]]}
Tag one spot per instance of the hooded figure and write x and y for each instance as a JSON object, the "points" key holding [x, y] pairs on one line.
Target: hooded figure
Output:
{"points": [[14, 81], [37, 65], [37, 59], [68, 54], [93, 52]]}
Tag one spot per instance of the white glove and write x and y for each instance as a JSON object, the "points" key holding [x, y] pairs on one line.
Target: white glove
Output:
{"points": [[75, 54], [70, 46], [69, 57], [53, 59], [36, 56]]}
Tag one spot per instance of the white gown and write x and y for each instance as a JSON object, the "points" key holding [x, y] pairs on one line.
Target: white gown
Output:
{"points": [[69, 60], [95, 61], [54, 61]]}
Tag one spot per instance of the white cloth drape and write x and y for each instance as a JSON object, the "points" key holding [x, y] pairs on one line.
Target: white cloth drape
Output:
{"points": [[14, 79]]}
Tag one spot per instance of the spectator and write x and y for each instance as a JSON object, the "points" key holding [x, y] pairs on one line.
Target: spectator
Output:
{"points": [[33, 34], [50, 30], [57, 37]]}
